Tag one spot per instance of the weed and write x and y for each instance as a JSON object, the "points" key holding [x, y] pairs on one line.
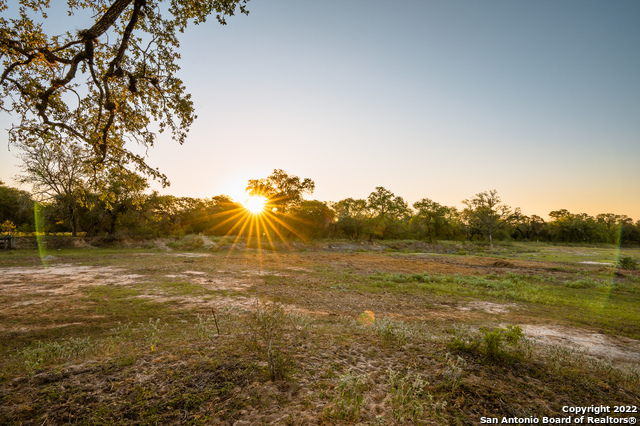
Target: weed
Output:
{"points": [[42, 353], [346, 405], [453, 373], [397, 332], [153, 331], [208, 326], [406, 396], [268, 324], [409, 397], [464, 339], [122, 331], [582, 283], [560, 358]]}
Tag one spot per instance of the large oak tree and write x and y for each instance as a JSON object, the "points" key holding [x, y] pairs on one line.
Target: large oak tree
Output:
{"points": [[110, 83]]}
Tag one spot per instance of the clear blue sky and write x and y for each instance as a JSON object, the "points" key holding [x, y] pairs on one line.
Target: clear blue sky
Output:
{"points": [[437, 99]]}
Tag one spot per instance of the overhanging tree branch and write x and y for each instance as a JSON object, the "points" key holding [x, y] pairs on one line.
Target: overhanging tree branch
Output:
{"points": [[122, 86]]}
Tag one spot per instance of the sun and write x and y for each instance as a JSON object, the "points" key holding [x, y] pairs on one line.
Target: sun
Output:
{"points": [[255, 204]]}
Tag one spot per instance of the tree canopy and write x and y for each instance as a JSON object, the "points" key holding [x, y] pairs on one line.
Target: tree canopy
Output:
{"points": [[486, 212], [112, 82], [282, 190]]}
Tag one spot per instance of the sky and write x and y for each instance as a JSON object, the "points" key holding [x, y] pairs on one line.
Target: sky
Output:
{"points": [[429, 99]]}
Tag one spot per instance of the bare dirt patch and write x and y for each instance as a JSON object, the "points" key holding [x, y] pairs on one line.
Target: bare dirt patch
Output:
{"points": [[592, 343], [489, 307], [60, 279]]}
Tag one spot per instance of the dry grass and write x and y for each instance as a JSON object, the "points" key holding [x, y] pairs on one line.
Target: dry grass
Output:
{"points": [[153, 337]]}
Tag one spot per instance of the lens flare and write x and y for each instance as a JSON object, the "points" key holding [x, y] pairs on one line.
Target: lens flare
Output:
{"points": [[255, 204], [38, 211]]}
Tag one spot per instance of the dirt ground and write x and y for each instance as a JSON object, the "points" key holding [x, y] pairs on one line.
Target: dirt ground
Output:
{"points": [[309, 283], [38, 285]]}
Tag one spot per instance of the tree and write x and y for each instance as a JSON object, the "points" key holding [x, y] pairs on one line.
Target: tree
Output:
{"points": [[221, 215], [432, 220], [486, 213], [387, 212], [313, 218], [569, 227], [58, 172], [120, 193], [352, 216], [283, 191], [539, 228], [16, 206], [104, 85]]}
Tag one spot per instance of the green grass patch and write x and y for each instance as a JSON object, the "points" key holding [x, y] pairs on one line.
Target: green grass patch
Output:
{"points": [[582, 300], [123, 304]]}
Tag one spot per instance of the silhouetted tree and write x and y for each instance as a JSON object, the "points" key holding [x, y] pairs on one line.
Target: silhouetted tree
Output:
{"points": [[282, 190]]}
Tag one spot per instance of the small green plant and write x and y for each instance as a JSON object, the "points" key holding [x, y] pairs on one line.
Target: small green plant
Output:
{"points": [[346, 405], [42, 353], [464, 339], [582, 283], [453, 373], [409, 398], [627, 262], [495, 343], [152, 333], [269, 324], [397, 332], [504, 343], [407, 393]]}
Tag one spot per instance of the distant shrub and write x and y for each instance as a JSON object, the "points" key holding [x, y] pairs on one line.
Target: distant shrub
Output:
{"points": [[582, 283], [627, 262], [7, 227], [188, 242]]}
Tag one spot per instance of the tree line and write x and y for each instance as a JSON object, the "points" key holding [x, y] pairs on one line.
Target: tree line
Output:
{"points": [[121, 206]]}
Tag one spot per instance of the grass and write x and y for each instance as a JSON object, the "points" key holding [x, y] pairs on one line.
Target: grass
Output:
{"points": [[136, 337], [600, 302]]}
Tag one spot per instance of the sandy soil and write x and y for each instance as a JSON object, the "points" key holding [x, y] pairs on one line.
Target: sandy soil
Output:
{"points": [[33, 286]]}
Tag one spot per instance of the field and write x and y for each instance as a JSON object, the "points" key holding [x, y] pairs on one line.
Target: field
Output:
{"points": [[316, 333]]}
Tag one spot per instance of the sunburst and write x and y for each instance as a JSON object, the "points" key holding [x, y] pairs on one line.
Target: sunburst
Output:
{"points": [[255, 204]]}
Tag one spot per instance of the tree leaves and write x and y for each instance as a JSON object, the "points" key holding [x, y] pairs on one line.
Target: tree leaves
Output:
{"points": [[106, 85]]}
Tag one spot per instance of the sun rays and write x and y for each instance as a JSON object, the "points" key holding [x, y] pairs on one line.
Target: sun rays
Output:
{"points": [[256, 204], [258, 223]]}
